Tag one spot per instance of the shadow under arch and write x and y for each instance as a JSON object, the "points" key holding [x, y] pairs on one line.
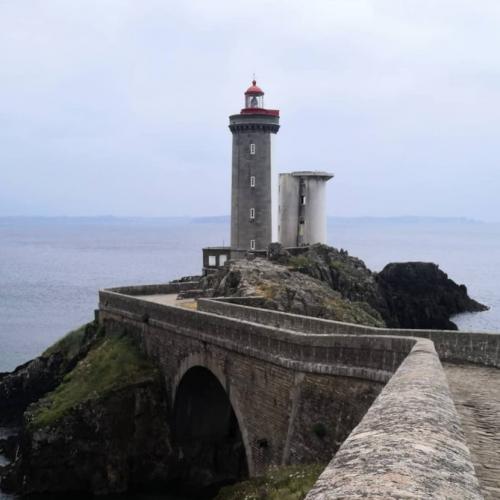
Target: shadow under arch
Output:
{"points": [[206, 433]]}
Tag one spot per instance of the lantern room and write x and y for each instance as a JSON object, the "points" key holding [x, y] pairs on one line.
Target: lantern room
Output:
{"points": [[254, 97]]}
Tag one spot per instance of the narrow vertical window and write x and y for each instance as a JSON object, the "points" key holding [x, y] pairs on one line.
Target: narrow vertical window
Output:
{"points": [[252, 181], [252, 213], [252, 244], [303, 200], [252, 149]]}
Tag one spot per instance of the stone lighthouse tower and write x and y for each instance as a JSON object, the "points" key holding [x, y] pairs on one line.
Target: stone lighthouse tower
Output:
{"points": [[251, 211]]}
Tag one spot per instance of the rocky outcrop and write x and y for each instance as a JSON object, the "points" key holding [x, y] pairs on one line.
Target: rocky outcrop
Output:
{"points": [[402, 295], [28, 382], [105, 445], [420, 295], [285, 289], [103, 429], [344, 273]]}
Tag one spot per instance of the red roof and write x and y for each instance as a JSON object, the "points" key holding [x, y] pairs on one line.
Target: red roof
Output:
{"points": [[260, 111], [254, 89]]}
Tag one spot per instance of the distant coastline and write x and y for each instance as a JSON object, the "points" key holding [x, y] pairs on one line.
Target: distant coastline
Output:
{"points": [[224, 219]]}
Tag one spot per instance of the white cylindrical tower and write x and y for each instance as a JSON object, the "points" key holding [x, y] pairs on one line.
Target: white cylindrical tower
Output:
{"points": [[302, 208]]}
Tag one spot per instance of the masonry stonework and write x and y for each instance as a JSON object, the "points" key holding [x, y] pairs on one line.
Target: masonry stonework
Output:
{"points": [[301, 387]]}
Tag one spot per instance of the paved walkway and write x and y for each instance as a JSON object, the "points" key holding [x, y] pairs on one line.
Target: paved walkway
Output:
{"points": [[476, 392], [170, 299]]}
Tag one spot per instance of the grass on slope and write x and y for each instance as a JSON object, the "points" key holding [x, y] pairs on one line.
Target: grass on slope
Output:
{"points": [[291, 482], [113, 364], [69, 345]]}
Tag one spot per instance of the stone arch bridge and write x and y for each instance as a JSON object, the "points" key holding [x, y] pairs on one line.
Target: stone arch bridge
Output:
{"points": [[250, 388]]}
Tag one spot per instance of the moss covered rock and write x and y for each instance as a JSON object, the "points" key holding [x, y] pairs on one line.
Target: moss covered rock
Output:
{"points": [[280, 483], [103, 430], [285, 289]]}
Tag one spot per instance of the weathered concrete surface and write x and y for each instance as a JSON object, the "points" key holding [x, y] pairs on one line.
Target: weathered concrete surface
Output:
{"points": [[410, 443], [170, 299], [476, 392]]}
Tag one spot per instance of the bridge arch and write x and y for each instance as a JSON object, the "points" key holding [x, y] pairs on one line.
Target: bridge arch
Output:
{"points": [[208, 427]]}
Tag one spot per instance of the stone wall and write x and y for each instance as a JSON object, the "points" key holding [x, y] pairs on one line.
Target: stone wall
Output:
{"points": [[454, 346], [367, 357], [297, 395], [409, 444], [289, 409], [161, 288]]}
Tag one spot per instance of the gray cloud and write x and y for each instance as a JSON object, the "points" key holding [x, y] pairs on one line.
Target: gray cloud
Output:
{"points": [[120, 106]]}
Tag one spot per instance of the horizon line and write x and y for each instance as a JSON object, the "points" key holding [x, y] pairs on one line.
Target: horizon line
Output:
{"points": [[226, 216]]}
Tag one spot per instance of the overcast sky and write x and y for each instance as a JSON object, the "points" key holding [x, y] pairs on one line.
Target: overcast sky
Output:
{"points": [[121, 107]]}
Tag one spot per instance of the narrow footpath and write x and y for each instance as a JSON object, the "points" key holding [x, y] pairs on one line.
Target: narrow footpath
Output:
{"points": [[476, 392]]}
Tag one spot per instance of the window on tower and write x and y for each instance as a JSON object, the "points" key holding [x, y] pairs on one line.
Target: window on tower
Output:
{"points": [[252, 244], [252, 149], [252, 181], [303, 200], [252, 213]]}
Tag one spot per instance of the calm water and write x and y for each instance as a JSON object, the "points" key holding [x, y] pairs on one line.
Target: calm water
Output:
{"points": [[51, 269]]}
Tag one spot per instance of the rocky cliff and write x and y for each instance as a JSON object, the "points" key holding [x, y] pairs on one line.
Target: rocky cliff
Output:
{"points": [[285, 289], [420, 295], [103, 429], [28, 382], [402, 295]]}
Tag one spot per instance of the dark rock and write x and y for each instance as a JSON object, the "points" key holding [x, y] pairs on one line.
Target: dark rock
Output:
{"points": [[28, 382], [284, 289], [8, 446], [346, 274], [407, 295], [104, 445], [420, 295], [277, 253], [188, 279]]}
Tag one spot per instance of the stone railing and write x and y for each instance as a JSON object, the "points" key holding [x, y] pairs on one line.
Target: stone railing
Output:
{"points": [[368, 357], [157, 289], [451, 345], [408, 445]]}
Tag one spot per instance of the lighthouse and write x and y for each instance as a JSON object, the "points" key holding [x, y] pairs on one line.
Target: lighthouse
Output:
{"points": [[302, 194], [251, 193]]}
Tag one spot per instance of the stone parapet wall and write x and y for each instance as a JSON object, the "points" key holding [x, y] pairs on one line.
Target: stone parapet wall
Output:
{"points": [[367, 357], [157, 289], [451, 345], [409, 444]]}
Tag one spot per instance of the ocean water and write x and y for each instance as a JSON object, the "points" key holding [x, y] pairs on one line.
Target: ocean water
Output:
{"points": [[51, 269]]}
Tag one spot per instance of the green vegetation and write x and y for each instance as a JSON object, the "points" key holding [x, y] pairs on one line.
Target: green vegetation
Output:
{"points": [[354, 312], [112, 364], [291, 482], [69, 345], [300, 262]]}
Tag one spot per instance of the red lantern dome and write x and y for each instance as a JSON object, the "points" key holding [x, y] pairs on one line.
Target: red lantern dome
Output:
{"points": [[254, 89], [254, 102]]}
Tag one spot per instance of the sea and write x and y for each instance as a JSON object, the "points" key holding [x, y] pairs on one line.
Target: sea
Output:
{"points": [[52, 268]]}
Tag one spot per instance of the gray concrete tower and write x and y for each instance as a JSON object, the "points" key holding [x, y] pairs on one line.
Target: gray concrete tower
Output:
{"points": [[251, 210]]}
